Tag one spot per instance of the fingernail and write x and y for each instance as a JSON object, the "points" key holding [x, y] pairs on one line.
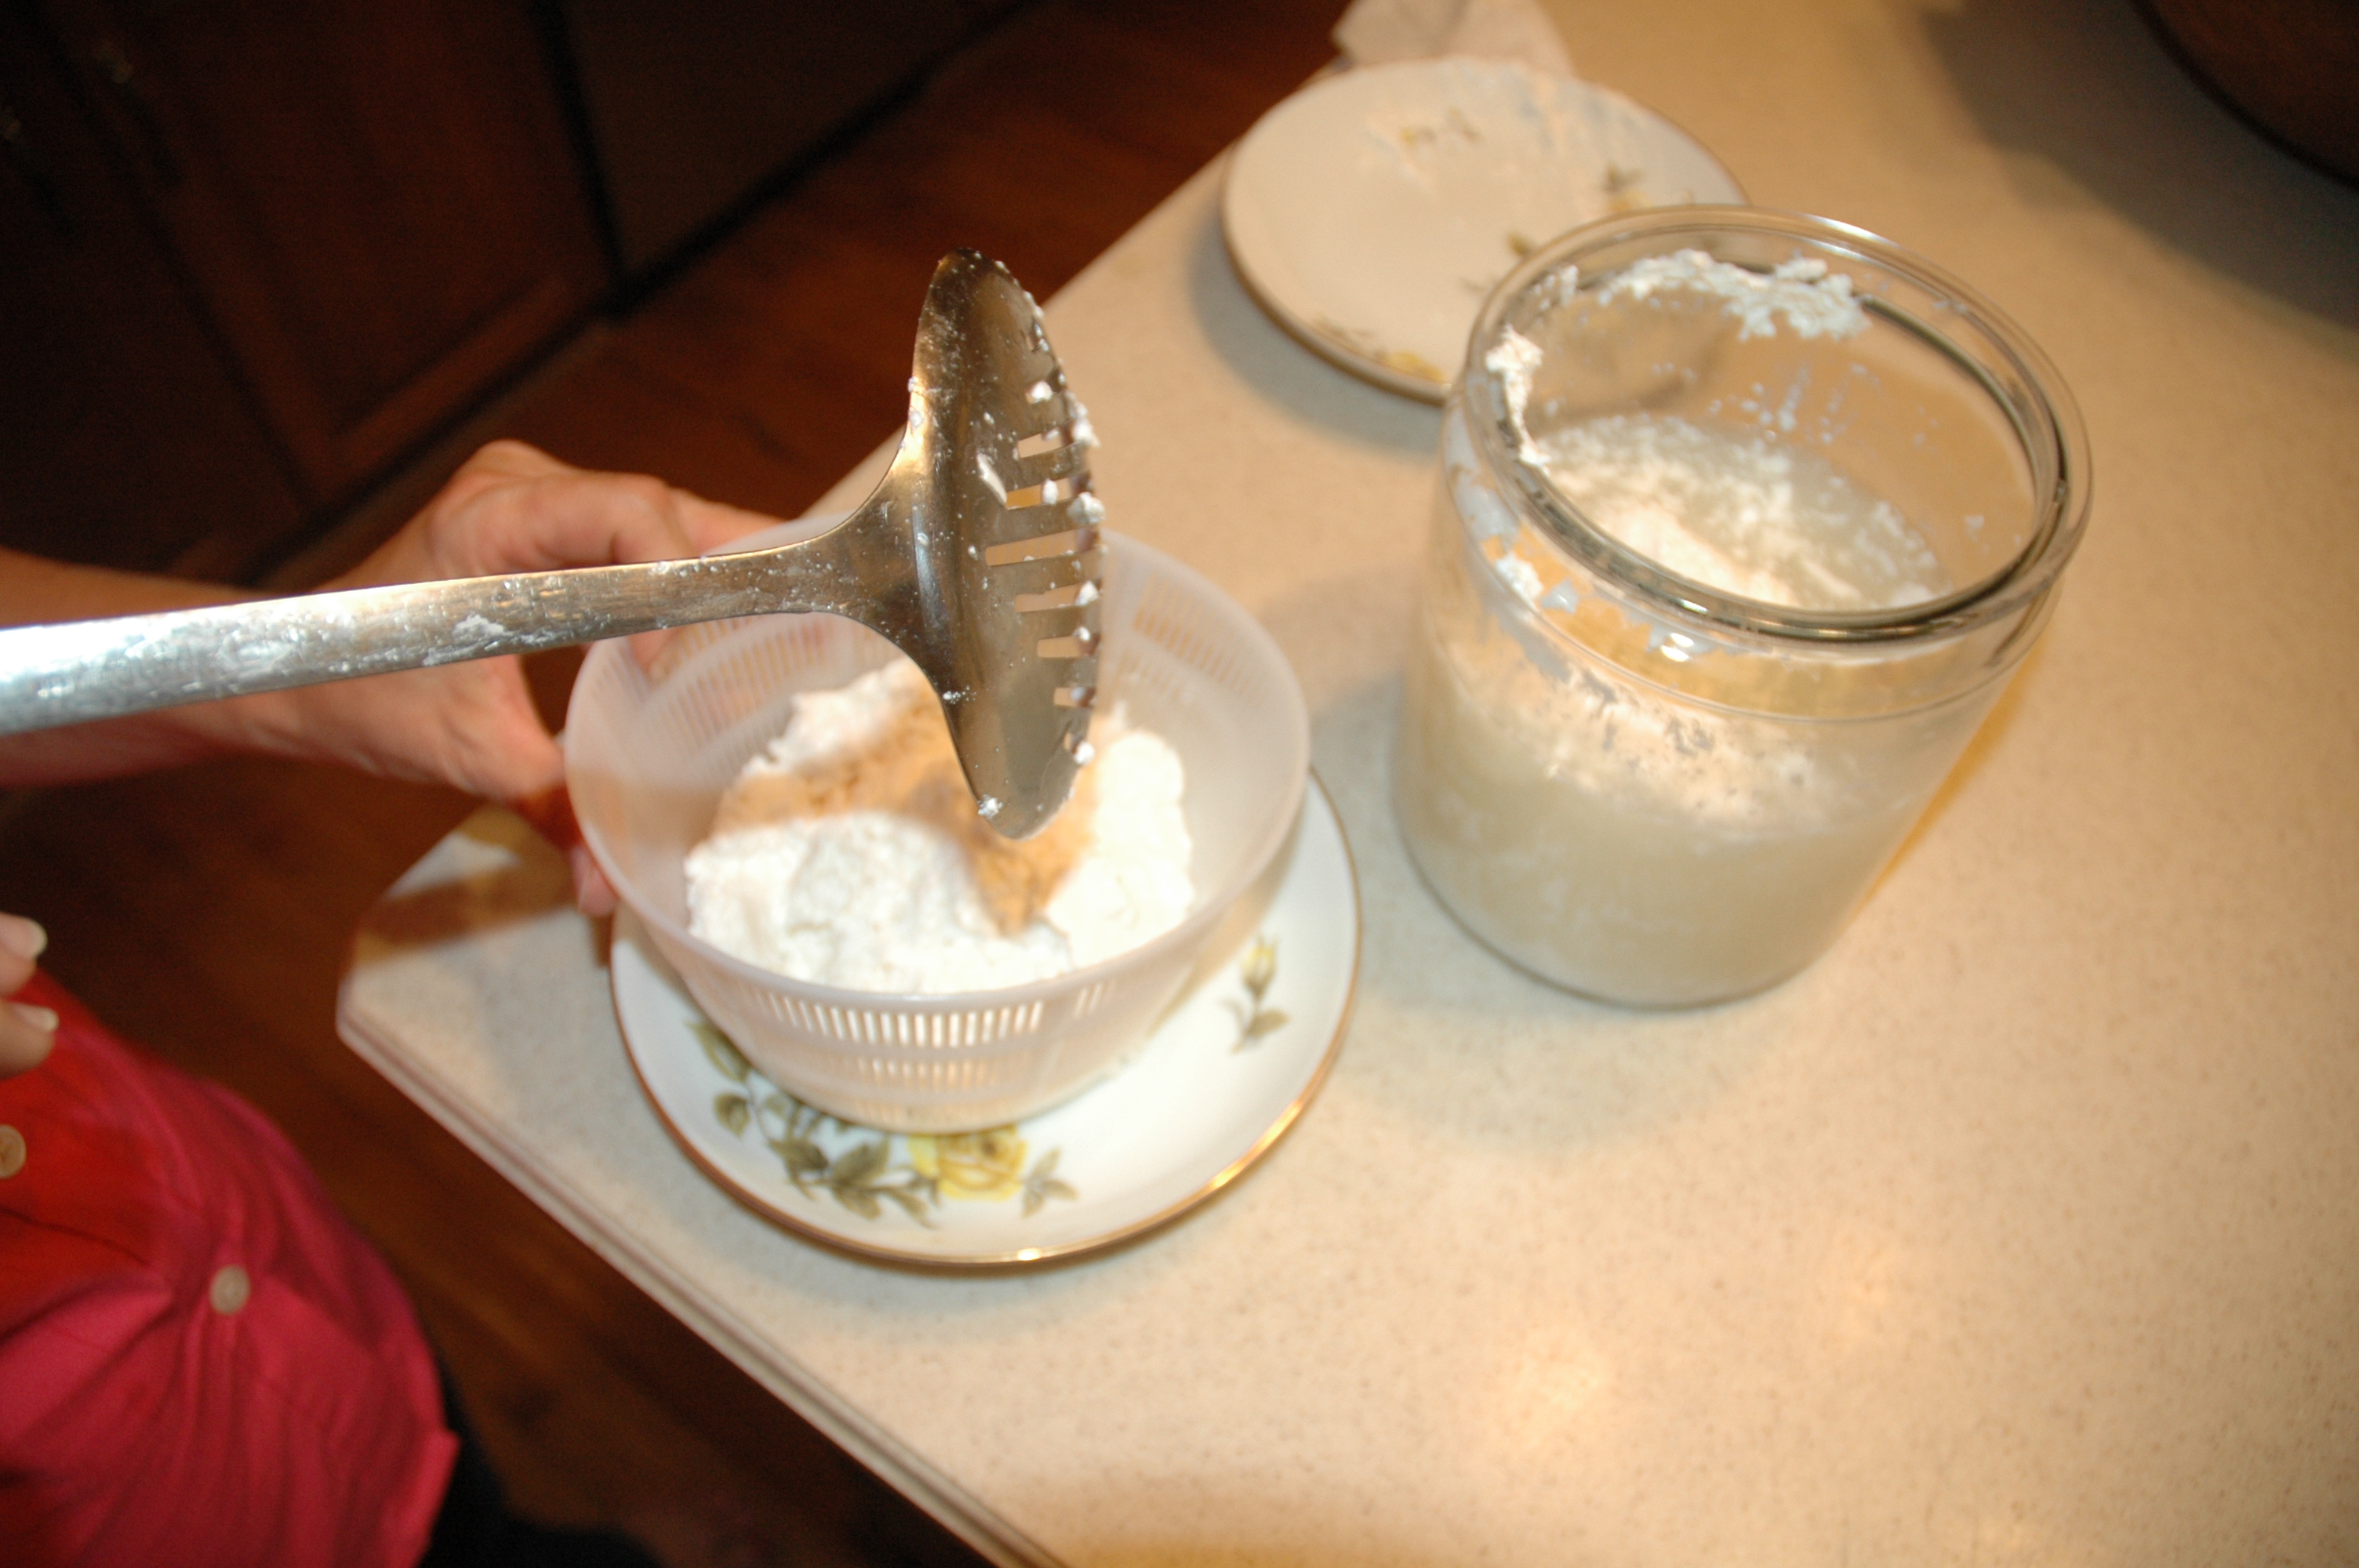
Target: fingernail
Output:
{"points": [[40, 1017], [22, 937]]}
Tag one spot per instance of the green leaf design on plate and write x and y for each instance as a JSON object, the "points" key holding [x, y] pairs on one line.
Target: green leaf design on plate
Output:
{"points": [[860, 1162], [860, 1175], [912, 1202], [1042, 1184], [722, 1053]]}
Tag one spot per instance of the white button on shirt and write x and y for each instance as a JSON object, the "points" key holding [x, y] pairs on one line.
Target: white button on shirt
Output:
{"points": [[230, 1289]]}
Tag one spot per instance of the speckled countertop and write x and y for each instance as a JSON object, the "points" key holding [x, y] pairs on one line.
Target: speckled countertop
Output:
{"points": [[2022, 1228]]}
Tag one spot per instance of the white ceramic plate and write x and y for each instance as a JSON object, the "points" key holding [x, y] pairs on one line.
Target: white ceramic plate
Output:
{"points": [[1217, 1083], [1372, 211]]}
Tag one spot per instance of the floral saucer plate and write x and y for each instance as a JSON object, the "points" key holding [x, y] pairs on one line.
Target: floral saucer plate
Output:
{"points": [[1371, 212], [1216, 1084]]}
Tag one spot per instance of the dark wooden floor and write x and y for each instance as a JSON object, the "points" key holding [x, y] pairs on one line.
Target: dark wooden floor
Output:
{"points": [[206, 912]]}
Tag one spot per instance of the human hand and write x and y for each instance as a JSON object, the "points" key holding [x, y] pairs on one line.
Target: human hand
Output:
{"points": [[510, 508], [26, 1031]]}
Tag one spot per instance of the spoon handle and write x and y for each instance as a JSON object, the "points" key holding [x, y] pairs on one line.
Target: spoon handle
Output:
{"points": [[74, 672]]}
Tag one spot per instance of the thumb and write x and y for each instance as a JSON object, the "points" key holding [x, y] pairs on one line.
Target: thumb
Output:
{"points": [[26, 1031], [479, 730]]}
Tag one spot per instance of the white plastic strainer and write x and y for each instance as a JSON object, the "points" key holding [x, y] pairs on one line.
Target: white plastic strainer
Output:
{"points": [[648, 753]]}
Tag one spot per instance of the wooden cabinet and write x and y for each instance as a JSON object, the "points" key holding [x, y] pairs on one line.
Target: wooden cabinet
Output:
{"points": [[124, 438], [254, 250], [692, 104], [371, 208], [376, 201]]}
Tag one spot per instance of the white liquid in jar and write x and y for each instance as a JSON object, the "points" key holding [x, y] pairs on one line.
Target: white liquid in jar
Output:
{"points": [[1612, 835]]}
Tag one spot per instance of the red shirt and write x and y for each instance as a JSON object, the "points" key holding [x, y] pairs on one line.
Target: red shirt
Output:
{"points": [[200, 1361]]}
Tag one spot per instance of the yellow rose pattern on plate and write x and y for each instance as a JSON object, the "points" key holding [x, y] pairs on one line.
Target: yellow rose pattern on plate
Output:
{"points": [[825, 1156]]}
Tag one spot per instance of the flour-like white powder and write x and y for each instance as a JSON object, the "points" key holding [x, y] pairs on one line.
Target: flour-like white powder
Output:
{"points": [[1515, 360], [849, 853], [1813, 300], [1744, 514], [1738, 513]]}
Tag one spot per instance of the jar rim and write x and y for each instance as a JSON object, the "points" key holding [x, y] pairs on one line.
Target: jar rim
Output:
{"points": [[2047, 421]]}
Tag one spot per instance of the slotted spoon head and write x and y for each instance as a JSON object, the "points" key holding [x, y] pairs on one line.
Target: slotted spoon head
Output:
{"points": [[990, 492]]}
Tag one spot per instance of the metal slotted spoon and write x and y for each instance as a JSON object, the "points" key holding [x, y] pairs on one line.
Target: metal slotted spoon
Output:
{"points": [[977, 556]]}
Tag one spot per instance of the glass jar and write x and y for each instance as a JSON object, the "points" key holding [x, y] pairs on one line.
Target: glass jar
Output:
{"points": [[1745, 519]]}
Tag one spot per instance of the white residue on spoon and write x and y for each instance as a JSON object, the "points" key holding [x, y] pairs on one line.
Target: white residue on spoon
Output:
{"points": [[476, 629]]}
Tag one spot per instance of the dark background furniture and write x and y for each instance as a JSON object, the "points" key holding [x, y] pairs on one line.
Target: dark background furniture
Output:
{"points": [[688, 105], [253, 253], [2290, 68], [283, 238]]}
